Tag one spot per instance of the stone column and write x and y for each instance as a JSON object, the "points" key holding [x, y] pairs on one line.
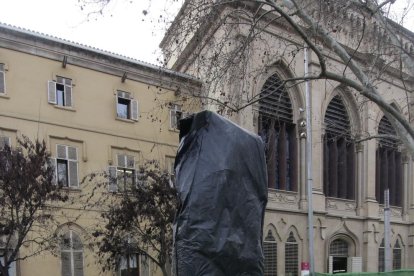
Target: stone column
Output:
{"points": [[406, 187], [360, 187]]}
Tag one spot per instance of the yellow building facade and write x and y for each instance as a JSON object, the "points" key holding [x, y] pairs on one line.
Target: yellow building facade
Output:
{"points": [[94, 109]]}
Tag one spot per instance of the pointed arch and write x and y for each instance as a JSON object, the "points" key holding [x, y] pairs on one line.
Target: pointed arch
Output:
{"points": [[388, 164], [397, 253], [278, 130], [339, 150], [292, 252], [270, 243], [381, 256], [350, 104]]}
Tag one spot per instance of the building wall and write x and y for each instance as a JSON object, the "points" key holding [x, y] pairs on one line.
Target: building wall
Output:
{"points": [[90, 125], [360, 221]]}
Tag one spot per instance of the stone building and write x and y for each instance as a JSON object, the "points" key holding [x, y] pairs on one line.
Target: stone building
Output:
{"points": [[350, 169], [94, 109]]}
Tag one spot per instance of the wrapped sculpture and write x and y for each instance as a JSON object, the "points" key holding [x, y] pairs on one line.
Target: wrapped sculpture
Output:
{"points": [[222, 185]]}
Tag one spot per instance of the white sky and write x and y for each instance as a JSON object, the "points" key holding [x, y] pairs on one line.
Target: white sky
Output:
{"points": [[122, 28]]}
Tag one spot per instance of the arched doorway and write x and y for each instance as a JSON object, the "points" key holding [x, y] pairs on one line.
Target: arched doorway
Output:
{"points": [[339, 253]]}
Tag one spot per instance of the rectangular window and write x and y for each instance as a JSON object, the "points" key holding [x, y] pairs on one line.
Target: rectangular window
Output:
{"points": [[126, 106], [67, 166], [137, 265], [60, 92], [123, 177], [2, 79], [4, 141], [175, 115], [169, 164], [12, 267]]}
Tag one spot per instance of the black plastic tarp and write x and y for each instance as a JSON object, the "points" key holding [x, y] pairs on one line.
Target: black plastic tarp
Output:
{"points": [[222, 185]]}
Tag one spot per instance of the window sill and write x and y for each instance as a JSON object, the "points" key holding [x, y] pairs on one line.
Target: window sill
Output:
{"points": [[174, 130], [72, 189], [125, 120], [65, 108], [4, 96]]}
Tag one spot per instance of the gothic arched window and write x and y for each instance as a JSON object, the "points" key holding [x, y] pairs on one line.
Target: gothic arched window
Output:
{"points": [[381, 257], [278, 131], [389, 169], [291, 256], [270, 254], [396, 256], [339, 152]]}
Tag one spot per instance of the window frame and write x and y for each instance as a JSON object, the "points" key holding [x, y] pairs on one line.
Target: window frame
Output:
{"points": [[3, 79], [3, 142], [131, 105], [294, 244], [140, 260], [389, 168], [279, 132], [67, 92], [71, 252], [339, 152], [122, 167], [67, 160], [270, 244]]}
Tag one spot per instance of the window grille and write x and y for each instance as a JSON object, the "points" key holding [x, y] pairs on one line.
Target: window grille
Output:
{"points": [[396, 256], [270, 255], [338, 248], [339, 152], [279, 133], [389, 168], [291, 256], [381, 257]]}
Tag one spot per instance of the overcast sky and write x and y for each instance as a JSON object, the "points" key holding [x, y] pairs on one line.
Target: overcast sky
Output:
{"points": [[122, 28]]}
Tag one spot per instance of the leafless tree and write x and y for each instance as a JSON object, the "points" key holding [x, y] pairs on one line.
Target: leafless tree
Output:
{"points": [[27, 195], [227, 44], [135, 218]]}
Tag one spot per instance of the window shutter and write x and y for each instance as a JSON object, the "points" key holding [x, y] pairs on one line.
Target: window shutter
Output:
{"points": [[145, 265], [121, 160], [73, 174], [134, 110], [72, 153], [354, 264], [61, 151], [2, 82], [54, 165], [51, 92], [68, 95], [173, 119], [113, 187], [130, 161], [4, 141], [66, 263], [330, 264], [78, 263]]}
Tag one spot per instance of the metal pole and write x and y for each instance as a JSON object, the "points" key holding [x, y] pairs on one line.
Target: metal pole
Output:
{"points": [[309, 180], [387, 228]]}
